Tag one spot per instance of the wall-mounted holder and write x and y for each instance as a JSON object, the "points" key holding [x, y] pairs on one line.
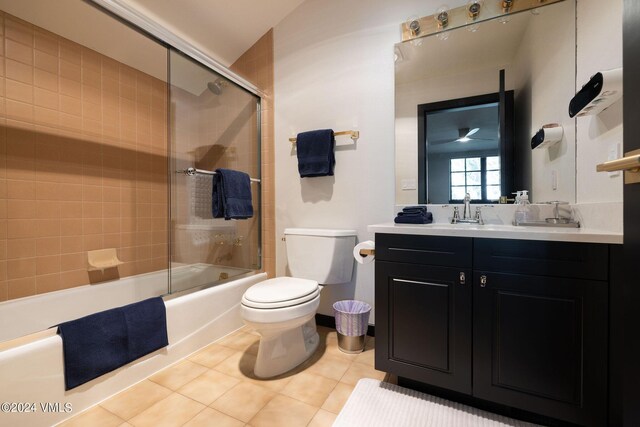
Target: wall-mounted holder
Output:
{"points": [[367, 252], [599, 93], [630, 164], [102, 259], [354, 134], [547, 136]]}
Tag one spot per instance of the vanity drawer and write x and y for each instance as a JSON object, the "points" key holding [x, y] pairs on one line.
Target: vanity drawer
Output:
{"points": [[542, 258], [427, 250]]}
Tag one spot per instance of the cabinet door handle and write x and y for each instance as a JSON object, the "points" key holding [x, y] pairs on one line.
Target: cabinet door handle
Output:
{"points": [[463, 278], [483, 281]]}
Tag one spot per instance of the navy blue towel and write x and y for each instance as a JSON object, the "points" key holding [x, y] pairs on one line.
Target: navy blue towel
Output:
{"points": [[231, 195], [315, 153], [413, 215], [414, 209], [99, 343]]}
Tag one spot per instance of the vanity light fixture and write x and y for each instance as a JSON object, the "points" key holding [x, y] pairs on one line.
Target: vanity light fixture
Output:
{"points": [[469, 15]]}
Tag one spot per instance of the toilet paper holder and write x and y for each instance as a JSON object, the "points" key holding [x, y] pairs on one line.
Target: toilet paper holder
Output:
{"points": [[366, 252]]}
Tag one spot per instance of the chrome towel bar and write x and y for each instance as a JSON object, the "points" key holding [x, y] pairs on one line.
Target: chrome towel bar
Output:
{"points": [[194, 171]]}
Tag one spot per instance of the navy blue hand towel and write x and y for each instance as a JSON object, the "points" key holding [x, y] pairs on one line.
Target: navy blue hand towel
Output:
{"points": [[413, 209], [231, 195], [414, 219], [414, 215], [423, 213], [315, 153], [99, 343]]}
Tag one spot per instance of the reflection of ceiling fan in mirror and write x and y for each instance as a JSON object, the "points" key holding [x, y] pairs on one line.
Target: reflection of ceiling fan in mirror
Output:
{"points": [[464, 135]]}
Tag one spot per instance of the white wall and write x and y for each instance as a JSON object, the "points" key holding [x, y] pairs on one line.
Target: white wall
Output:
{"points": [[334, 68], [546, 72], [599, 40]]}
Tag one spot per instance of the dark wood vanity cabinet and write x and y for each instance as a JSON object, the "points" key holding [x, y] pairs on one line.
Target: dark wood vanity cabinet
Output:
{"points": [[526, 328], [423, 293]]}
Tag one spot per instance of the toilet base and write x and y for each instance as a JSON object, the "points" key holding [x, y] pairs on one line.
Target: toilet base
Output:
{"points": [[282, 349]]}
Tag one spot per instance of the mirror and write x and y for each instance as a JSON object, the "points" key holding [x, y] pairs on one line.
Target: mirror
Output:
{"points": [[456, 132]]}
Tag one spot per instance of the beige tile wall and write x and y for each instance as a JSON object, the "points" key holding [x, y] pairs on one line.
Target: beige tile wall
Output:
{"points": [[82, 163], [256, 65]]}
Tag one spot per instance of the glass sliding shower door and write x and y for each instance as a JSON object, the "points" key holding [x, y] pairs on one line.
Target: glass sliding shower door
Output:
{"points": [[214, 123]]}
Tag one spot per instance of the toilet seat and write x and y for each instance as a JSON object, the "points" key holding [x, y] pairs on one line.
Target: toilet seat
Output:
{"points": [[280, 292]]}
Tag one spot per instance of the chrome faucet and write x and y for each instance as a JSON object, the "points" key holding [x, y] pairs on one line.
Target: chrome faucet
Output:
{"points": [[466, 213]]}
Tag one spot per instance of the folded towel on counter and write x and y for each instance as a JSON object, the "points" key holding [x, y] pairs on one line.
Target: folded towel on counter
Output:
{"points": [[231, 195], [99, 343], [315, 153], [414, 215], [414, 209], [414, 219]]}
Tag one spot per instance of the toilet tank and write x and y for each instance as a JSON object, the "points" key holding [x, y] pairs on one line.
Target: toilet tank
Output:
{"points": [[323, 255]]}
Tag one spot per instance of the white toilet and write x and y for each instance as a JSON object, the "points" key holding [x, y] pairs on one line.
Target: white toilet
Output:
{"points": [[282, 310]]}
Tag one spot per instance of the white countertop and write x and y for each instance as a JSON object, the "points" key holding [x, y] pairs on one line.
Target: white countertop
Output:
{"points": [[584, 235]]}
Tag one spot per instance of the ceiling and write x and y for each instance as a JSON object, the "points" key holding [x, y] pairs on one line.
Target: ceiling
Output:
{"points": [[81, 22], [222, 29], [442, 129]]}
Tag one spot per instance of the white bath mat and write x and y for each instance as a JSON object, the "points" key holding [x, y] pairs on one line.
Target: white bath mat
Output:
{"points": [[374, 403]]}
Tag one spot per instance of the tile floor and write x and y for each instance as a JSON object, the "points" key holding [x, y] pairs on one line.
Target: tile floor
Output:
{"points": [[216, 387]]}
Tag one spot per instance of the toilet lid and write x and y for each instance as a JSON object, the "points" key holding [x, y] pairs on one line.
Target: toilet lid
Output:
{"points": [[280, 292]]}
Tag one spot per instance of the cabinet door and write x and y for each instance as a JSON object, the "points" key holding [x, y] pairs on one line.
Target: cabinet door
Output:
{"points": [[540, 344], [423, 323]]}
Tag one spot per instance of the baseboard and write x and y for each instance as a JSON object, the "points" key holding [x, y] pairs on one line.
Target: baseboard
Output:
{"points": [[330, 322]]}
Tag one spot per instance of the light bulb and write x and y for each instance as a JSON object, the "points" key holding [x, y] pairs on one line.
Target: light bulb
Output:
{"points": [[442, 17], [413, 24], [473, 9]]}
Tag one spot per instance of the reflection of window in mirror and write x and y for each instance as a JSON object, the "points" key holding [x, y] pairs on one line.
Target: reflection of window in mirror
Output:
{"points": [[477, 176]]}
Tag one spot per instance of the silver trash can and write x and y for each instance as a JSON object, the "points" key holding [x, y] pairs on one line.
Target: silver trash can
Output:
{"points": [[352, 321]]}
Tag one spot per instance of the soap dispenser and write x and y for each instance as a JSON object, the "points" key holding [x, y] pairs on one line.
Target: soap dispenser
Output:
{"points": [[523, 208]]}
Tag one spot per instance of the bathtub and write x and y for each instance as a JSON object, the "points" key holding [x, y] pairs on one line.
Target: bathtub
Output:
{"points": [[31, 367], [36, 313]]}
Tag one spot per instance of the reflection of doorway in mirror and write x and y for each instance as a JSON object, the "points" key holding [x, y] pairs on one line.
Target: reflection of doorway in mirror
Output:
{"points": [[460, 151]]}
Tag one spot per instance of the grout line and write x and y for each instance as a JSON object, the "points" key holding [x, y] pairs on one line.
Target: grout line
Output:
{"points": [[112, 413]]}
